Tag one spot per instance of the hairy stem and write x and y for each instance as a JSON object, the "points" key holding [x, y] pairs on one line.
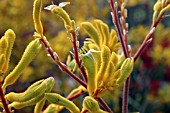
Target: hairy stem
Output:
{"points": [[104, 105], [148, 36], [85, 111], [72, 75], [125, 96], [62, 66], [76, 56], [124, 43], [4, 102], [118, 28], [75, 95]]}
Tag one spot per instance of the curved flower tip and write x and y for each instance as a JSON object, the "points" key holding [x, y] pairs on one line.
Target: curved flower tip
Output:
{"points": [[62, 4], [50, 7]]}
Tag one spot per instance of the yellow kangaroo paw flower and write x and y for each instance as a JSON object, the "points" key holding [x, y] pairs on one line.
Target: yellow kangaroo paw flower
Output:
{"points": [[50, 84], [105, 32], [3, 45], [97, 59], [97, 24], [93, 46], [116, 75], [91, 105], [167, 8], [39, 106], [105, 57], [113, 37], [51, 109], [126, 69], [121, 59], [30, 52], [2, 62], [28, 94], [91, 72], [114, 58], [92, 32], [10, 38], [59, 100], [59, 11], [37, 16], [109, 72], [157, 7], [20, 105], [114, 45]]}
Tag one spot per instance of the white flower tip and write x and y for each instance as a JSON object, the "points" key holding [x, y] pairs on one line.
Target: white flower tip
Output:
{"points": [[94, 51], [63, 4], [163, 1], [50, 7]]}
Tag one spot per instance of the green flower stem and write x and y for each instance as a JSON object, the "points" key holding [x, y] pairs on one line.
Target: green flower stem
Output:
{"points": [[76, 56], [4, 102]]}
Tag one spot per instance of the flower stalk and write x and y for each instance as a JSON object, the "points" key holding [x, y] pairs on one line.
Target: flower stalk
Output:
{"points": [[148, 36], [76, 56], [4, 102], [124, 43], [72, 75], [62, 66], [104, 105], [122, 34], [116, 22], [75, 95]]}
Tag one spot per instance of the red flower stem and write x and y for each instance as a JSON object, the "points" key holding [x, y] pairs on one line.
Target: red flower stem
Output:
{"points": [[62, 66], [104, 105], [148, 36], [72, 75], [118, 28], [125, 95], [4, 102], [76, 56], [124, 43], [85, 111], [137, 54], [75, 95], [124, 26]]}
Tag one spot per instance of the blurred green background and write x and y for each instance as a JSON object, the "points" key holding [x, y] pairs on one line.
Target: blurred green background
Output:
{"points": [[150, 80]]}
